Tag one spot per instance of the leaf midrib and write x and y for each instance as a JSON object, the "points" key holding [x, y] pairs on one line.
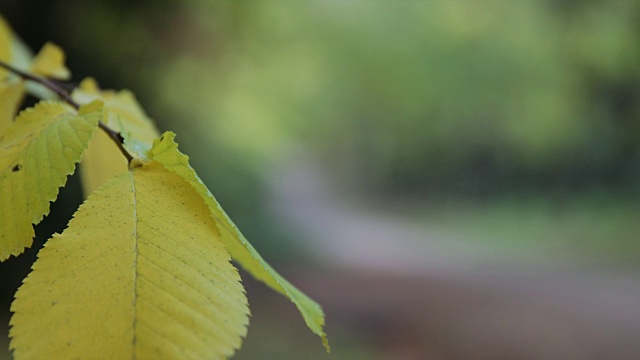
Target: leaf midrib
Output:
{"points": [[135, 263]]}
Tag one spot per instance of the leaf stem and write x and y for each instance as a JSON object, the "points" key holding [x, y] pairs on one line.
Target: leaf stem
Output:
{"points": [[56, 88], [118, 139]]}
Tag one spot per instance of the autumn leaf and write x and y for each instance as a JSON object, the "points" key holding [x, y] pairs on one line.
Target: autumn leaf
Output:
{"points": [[37, 153], [165, 150], [123, 111], [11, 88], [5, 45], [103, 160], [140, 273], [100, 162], [49, 62], [11, 94]]}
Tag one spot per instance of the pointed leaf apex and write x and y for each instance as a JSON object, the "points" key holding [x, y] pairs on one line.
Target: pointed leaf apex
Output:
{"points": [[165, 151], [49, 62], [89, 84]]}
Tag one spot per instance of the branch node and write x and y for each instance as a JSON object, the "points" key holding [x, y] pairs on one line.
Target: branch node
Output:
{"points": [[60, 91]]}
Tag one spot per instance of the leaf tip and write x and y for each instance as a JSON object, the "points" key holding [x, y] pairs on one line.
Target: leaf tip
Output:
{"points": [[325, 342], [49, 62], [89, 84]]}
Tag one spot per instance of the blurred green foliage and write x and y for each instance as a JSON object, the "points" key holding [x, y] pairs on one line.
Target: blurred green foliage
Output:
{"points": [[434, 98], [476, 97]]}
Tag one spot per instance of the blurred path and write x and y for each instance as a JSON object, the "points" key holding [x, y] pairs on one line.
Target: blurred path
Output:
{"points": [[431, 297]]}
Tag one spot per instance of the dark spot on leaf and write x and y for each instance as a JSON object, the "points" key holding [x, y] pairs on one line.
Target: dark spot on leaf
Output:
{"points": [[17, 167]]}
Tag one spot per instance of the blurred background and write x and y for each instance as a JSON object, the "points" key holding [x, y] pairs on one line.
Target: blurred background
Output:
{"points": [[449, 179]]}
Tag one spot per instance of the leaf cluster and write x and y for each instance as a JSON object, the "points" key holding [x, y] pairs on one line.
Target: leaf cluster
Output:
{"points": [[143, 269]]}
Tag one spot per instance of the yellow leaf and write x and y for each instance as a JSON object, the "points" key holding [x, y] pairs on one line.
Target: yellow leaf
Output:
{"points": [[5, 45], [124, 112], [103, 160], [36, 154], [12, 50], [49, 62], [140, 273], [100, 162], [11, 94], [165, 150], [11, 87]]}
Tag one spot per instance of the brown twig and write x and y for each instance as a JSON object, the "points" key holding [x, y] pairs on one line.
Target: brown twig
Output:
{"points": [[56, 88], [117, 138]]}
